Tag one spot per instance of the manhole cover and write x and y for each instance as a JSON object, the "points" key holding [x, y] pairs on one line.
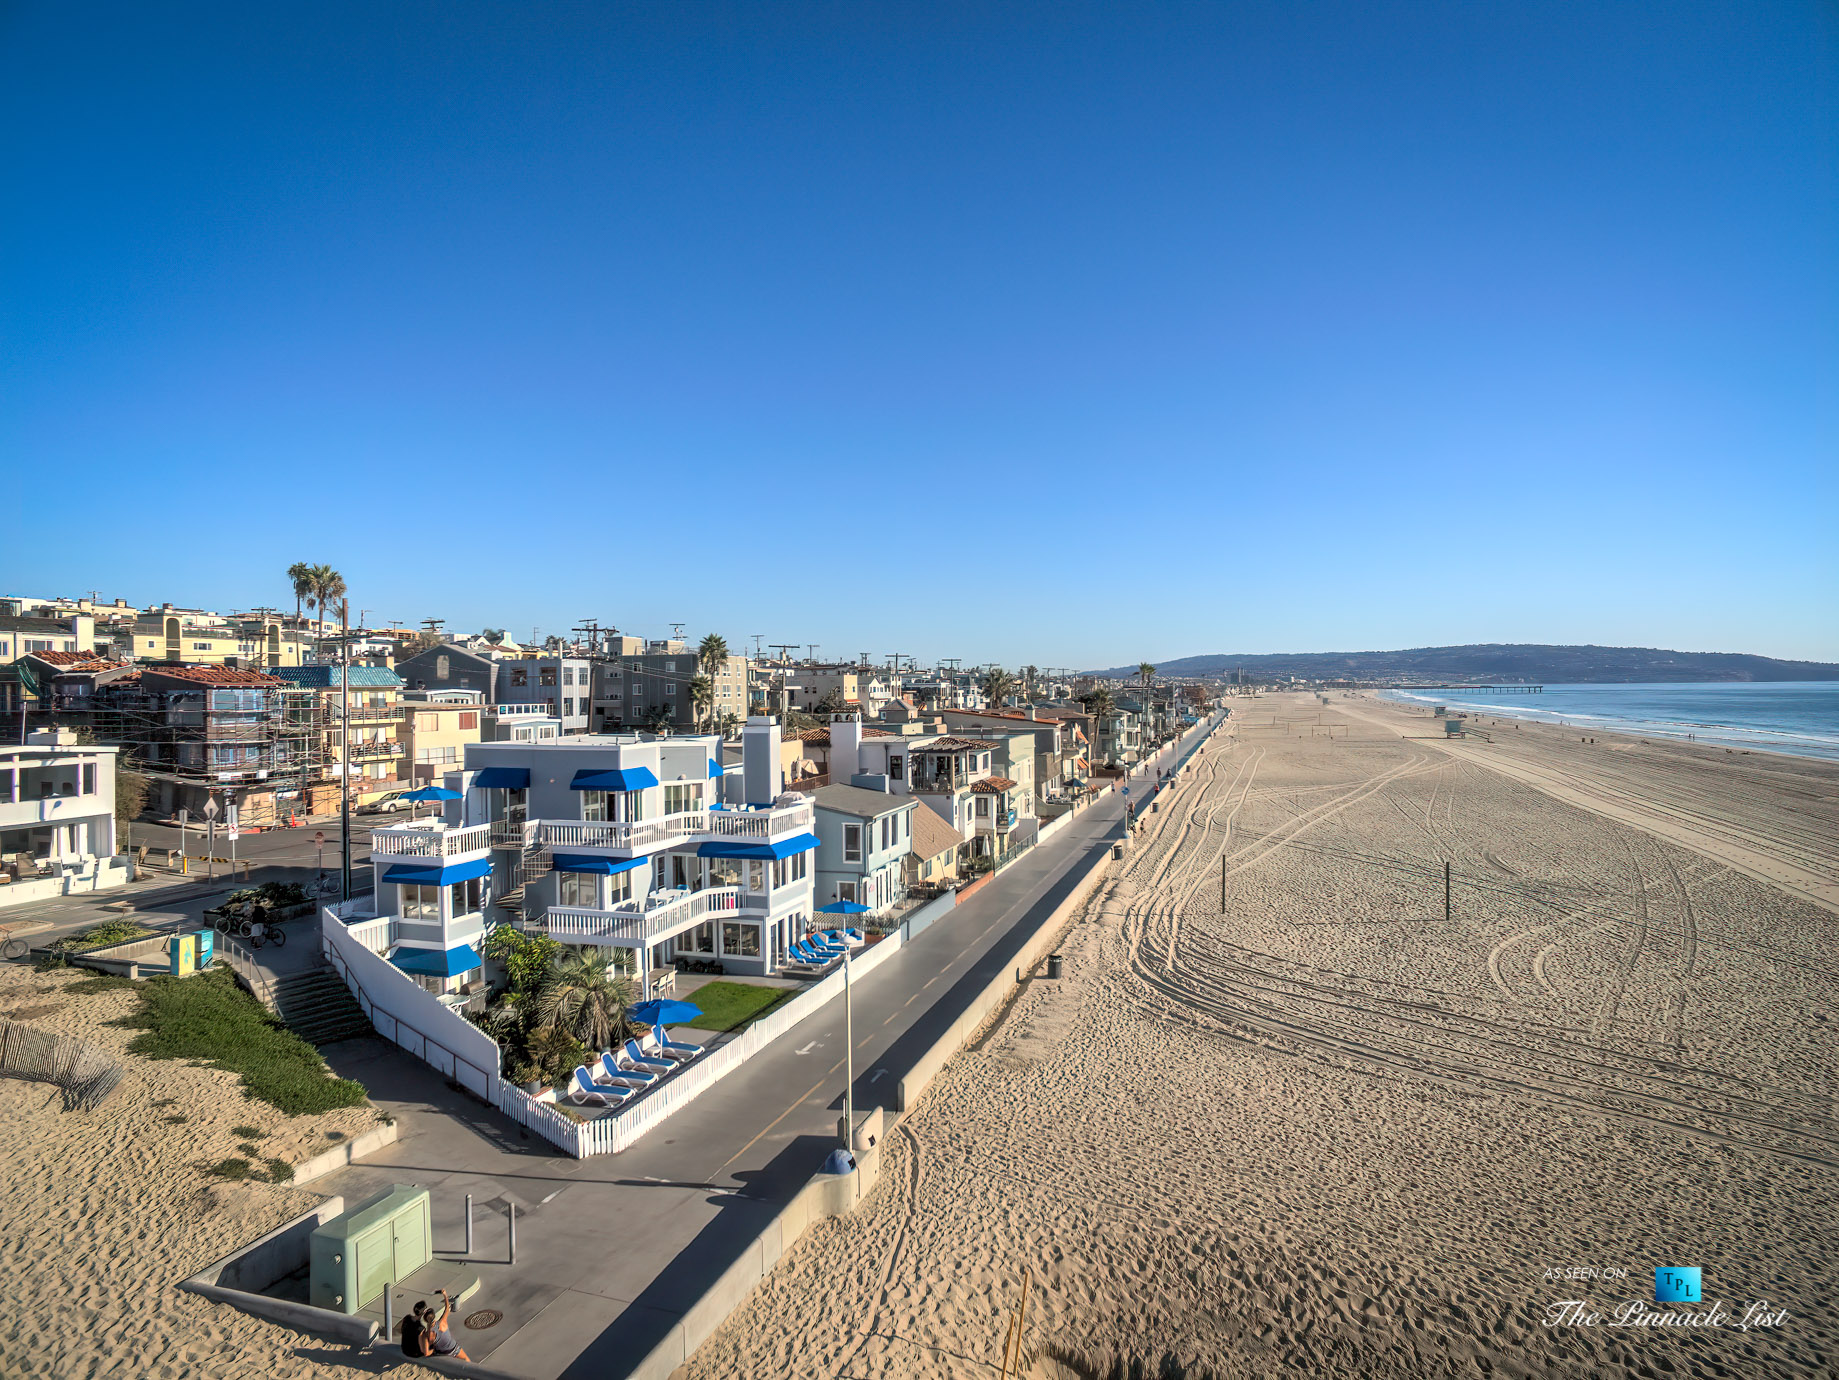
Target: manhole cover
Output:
{"points": [[484, 1318]]}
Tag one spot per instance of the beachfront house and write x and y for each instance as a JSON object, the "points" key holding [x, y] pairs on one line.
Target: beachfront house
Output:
{"points": [[864, 837], [57, 817]]}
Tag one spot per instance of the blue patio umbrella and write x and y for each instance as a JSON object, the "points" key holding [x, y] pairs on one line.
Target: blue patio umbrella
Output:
{"points": [[660, 1011], [843, 908], [430, 793]]}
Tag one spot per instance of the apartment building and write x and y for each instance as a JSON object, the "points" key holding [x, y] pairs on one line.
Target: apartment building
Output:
{"points": [[24, 633], [319, 745], [652, 691], [435, 736], [198, 637], [561, 686]]}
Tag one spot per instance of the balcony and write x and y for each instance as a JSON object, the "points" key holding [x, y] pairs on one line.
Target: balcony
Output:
{"points": [[365, 752], [408, 841], [650, 834], [634, 926], [761, 824], [513, 833], [511, 711]]}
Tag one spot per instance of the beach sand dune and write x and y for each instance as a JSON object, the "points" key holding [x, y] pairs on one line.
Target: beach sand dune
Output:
{"points": [[1325, 1131], [103, 1212]]}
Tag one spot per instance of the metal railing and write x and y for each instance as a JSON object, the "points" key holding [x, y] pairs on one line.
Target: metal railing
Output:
{"points": [[513, 833], [638, 924], [760, 824], [641, 834], [409, 842]]}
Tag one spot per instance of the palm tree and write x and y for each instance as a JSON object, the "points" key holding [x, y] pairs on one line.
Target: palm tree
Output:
{"points": [[324, 586], [584, 999], [658, 718], [702, 695], [1145, 673], [302, 576], [712, 657], [494, 636], [998, 685], [1030, 674]]}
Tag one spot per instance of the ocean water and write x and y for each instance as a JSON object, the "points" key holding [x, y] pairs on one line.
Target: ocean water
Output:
{"points": [[1798, 717]]}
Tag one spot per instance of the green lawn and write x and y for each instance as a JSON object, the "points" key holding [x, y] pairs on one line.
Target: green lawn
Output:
{"points": [[210, 1019], [731, 1005]]}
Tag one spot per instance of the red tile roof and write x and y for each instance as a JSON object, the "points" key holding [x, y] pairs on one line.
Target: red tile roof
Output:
{"points": [[61, 658], [992, 785], [213, 675]]}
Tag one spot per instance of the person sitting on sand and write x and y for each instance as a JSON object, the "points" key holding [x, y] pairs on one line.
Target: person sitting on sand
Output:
{"points": [[414, 1331], [440, 1341]]}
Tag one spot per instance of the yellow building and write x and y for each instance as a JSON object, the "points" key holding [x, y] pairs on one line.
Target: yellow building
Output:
{"points": [[434, 738], [194, 637]]}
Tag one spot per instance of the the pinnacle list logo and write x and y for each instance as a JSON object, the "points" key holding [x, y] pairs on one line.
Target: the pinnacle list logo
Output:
{"points": [[1677, 1284]]}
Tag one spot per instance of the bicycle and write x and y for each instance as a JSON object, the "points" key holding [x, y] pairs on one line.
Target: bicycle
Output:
{"points": [[11, 948], [267, 934]]}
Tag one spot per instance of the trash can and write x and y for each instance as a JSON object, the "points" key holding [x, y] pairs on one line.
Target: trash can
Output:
{"points": [[1053, 967]]}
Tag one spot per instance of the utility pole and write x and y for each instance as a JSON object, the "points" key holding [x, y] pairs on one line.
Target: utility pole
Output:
{"points": [[756, 644]]}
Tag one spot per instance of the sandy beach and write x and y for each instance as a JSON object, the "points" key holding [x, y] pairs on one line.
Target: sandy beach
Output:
{"points": [[102, 1212], [1322, 1130]]}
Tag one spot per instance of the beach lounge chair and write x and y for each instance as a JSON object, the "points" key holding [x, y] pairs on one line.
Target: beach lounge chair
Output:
{"points": [[815, 955], [635, 1055], [840, 939], [582, 1090], [673, 1049], [627, 1078]]}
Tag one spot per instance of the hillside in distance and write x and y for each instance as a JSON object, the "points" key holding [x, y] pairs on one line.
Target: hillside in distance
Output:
{"points": [[1498, 662]]}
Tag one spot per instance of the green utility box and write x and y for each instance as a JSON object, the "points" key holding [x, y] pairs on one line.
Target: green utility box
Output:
{"points": [[380, 1242]]}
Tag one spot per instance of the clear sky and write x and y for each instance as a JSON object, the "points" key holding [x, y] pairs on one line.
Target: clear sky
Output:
{"points": [[1036, 333]]}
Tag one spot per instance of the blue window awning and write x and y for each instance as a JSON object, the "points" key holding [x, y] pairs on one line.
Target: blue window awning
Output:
{"points": [[587, 862], [461, 958], [428, 872], [503, 779], [798, 843], [715, 768], [613, 779]]}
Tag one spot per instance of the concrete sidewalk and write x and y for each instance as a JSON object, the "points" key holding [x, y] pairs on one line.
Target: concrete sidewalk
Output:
{"points": [[612, 1249]]}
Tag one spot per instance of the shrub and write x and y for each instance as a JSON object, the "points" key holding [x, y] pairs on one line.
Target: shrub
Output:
{"points": [[283, 893], [102, 982], [254, 1152], [96, 936], [210, 1019], [280, 1172], [231, 1169], [247, 1132]]}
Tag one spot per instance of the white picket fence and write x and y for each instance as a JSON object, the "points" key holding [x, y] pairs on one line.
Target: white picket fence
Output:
{"points": [[612, 1133]]}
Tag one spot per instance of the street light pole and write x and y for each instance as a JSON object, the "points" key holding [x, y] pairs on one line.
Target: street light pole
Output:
{"points": [[344, 733], [849, 1066]]}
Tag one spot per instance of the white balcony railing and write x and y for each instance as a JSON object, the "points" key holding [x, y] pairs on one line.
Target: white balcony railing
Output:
{"points": [[409, 842], [644, 834], [639, 924], [760, 824], [513, 833]]}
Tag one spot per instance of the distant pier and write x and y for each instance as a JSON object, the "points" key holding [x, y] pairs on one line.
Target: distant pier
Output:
{"points": [[1490, 689]]}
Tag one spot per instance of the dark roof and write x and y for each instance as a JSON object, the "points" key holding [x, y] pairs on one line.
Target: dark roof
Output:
{"points": [[211, 675], [12, 622], [993, 785], [955, 745], [862, 803]]}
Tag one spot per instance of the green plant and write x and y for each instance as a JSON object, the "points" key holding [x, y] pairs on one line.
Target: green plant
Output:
{"points": [[283, 893], [247, 1132], [280, 1172], [583, 998], [210, 1018], [102, 982], [527, 958], [231, 1169], [254, 1152], [521, 1071], [96, 936], [556, 1053]]}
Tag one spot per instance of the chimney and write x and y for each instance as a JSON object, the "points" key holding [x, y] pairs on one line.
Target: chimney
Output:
{"points": [[845, 746], [762, 767]]}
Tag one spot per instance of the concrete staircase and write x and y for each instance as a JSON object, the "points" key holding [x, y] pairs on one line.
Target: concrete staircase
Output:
{"points": [[318, 1007]]}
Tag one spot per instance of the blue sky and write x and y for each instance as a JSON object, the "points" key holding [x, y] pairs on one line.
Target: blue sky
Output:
{"points": [[1058, 334]]}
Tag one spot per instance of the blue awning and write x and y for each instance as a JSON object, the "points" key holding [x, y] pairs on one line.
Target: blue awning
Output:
{"points": [[461, 958], [785, 848], [715, 768], [428, 872], [613, 779], [587, 862], [503, 779]]}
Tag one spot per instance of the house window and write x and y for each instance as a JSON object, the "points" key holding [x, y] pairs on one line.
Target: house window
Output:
{"points": [[983, 807], [741, 940], [467, 896], [700, 940], [568, 705], [579, 889], [670, 687], [421, 903], [894, 766], [469, 720], [568, 675], [89, 778], [520, 675], [852, 843], [546, 675], [679, 799], [756, 875], [846, 891], [781, 872]]}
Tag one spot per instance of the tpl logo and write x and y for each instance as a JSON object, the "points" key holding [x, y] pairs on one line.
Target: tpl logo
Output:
{"points": [[1678, 1284]]}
